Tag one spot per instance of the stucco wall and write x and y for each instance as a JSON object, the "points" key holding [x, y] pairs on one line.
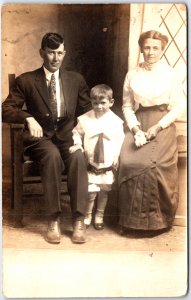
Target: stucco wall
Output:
{"points": [[22, 30]]}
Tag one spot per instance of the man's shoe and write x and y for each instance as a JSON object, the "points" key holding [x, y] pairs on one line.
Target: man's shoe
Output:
{"points": [[53, 232], [79, 233]]}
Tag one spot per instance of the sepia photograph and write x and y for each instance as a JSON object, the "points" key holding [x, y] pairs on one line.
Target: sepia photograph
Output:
{"points": [[94, 150]]}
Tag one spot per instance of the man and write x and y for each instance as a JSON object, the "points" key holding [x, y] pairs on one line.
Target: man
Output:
{"points": [[54, 98]]}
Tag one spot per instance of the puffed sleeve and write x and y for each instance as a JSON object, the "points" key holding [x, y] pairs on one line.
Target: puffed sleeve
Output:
{"points": [[177, 103], [128, 106]]}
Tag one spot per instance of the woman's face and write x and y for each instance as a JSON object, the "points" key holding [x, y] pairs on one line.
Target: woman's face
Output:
{"points": [[152, 50]]}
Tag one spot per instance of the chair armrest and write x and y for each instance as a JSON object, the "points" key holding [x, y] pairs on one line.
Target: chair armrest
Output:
{"points": [[16, 136], [16, 126]]}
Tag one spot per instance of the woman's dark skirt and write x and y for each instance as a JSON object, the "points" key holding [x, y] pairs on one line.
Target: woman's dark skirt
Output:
{"points": [[148, 176]]}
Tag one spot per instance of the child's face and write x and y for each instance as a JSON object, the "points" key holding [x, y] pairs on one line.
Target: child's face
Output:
{"points": [[101, 106]]}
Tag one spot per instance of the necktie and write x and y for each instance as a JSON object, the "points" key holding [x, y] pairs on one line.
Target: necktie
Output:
{"points": [[52, 94], [99, 150]]}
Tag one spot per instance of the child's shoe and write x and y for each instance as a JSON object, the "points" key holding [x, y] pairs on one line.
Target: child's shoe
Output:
{"points": [[88, 219], [98, 224]]}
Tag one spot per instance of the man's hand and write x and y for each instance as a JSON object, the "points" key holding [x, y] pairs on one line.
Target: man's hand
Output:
{"points": [[76, 147], [153, 131], [34, 127], [140, 138]]}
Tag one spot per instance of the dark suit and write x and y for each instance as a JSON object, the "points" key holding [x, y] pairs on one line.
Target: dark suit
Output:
{"points": [[52, 149]]}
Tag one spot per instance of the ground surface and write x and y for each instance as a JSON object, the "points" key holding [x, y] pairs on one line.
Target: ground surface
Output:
{"points": [[108, 265]]}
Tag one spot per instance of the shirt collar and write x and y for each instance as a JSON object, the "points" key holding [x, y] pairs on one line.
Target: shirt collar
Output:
{"points": [[152, 67], [48, 74]]}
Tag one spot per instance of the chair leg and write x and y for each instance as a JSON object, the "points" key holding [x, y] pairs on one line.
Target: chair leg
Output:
{"points": [[18, 201], [17, 180]]}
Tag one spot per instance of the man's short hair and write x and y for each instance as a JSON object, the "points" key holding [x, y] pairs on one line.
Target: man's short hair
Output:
{"points": [[51, 40]]}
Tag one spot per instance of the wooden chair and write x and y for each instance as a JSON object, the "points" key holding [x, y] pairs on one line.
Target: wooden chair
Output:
{"points": [[24, 172]]}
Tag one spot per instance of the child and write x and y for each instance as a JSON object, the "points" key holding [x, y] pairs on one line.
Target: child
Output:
{"points": [[99, 133]]}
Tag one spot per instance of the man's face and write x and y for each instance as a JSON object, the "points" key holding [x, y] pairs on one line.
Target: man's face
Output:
{"points": [[152, 50], [53, 58]]}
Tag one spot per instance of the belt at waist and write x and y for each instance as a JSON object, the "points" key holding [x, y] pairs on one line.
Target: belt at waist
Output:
{"points": [[161, 107], [96, 171]]}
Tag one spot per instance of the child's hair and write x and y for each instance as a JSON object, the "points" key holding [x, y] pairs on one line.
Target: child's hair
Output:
{"points": [[101, 91]]}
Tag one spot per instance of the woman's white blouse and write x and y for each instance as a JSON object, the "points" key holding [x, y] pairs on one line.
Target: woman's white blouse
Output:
{"points": [[148, 87]]}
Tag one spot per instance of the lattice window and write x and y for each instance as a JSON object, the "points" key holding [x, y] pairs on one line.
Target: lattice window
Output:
{"points": [[173, 23]]}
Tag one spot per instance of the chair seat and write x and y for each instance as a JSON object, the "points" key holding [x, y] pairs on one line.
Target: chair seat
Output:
{"points": [[31, 169]]}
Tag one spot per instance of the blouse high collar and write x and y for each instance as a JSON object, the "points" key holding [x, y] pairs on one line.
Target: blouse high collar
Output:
{"points": [[151, 67]]}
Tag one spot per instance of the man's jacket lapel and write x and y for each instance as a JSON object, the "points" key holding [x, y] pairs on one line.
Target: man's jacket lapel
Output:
{"points": [[41, 85]]}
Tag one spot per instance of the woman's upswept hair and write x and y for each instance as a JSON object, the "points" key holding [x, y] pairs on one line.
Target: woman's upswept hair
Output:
{"points": [[153, 34], [101, 91]]}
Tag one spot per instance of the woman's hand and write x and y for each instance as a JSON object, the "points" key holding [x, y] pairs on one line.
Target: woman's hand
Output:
{"points": [[153, 131], [140, 138], [76, 147]]}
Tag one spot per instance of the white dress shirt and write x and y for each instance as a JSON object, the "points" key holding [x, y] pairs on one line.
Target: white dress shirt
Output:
{"points": [[148, 87], [58, 97]]}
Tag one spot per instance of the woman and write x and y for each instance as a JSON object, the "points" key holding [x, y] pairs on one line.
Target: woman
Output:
{"points": [[148, 177]]}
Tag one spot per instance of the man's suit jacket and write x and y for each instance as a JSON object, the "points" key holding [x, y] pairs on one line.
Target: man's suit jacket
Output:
{"points": [[31, 89]]}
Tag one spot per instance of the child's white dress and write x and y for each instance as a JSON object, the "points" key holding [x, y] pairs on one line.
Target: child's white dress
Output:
{"points": [[86, 133]]}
